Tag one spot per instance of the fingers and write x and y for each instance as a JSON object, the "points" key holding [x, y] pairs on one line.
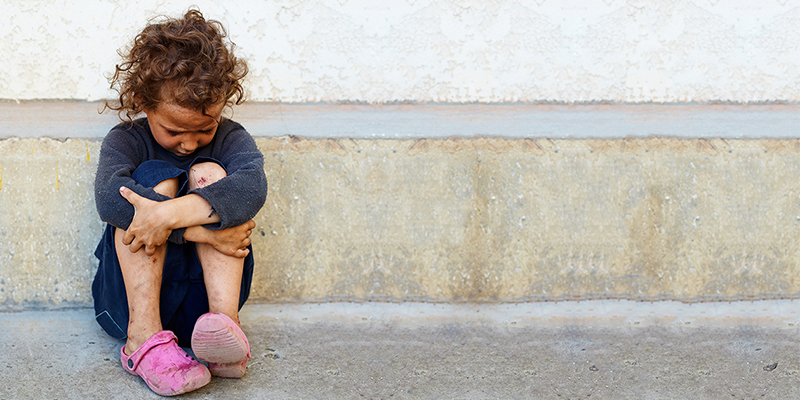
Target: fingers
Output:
{"points": [[134, 246], [129, 195], [249, 226], [242, 253], [137, 245], [238, 253], [127, 238]]}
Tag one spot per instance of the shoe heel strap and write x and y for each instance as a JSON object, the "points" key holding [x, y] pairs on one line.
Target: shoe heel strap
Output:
{"points": [[132, 362]]}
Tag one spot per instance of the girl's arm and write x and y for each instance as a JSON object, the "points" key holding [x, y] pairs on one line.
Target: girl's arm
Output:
{"points": [[238, 197], [154, 221], [123, 149], [120, 153]]}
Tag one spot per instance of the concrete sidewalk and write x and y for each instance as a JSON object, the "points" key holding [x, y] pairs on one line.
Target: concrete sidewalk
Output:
{"points": [[596, 349]]}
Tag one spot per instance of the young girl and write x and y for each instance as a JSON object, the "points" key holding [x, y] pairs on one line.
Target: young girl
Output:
{"points": [[178, 190]]}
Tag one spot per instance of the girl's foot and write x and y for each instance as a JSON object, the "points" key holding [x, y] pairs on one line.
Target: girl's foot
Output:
{"points": [[220, 341], [164, 366]]}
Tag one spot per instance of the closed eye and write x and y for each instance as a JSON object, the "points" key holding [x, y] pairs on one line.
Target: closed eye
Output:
{"points": [[203, 132]]}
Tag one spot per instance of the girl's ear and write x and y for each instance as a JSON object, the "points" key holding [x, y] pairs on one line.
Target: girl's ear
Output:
{"points": [[137, 99]]}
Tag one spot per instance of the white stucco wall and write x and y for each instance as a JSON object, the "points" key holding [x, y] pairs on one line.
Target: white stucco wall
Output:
{"points": [[434, 50]]}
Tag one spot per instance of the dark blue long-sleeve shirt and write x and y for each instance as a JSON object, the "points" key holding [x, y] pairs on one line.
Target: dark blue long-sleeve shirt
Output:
{"points": [[236, 198]]}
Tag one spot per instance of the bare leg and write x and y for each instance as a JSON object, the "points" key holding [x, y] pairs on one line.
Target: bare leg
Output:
{"points": [[142, 276], [222, 273]]}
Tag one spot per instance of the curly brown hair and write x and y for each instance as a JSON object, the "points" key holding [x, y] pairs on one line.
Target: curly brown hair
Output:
{"points": [[189, 57]]}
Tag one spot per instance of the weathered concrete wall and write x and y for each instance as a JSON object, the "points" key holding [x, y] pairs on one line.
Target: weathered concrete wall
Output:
{"points": [[433, 50], [486, 219], [467, 219], [48, 222]]}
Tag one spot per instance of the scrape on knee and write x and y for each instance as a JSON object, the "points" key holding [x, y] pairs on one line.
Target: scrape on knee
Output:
{"points": [[204, 174]]}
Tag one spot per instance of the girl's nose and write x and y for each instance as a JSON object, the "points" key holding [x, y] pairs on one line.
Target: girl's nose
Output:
{"points": [[189, 146]]}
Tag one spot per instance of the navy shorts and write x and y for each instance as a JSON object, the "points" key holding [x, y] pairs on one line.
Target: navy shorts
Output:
{"points": [[183, 291]]}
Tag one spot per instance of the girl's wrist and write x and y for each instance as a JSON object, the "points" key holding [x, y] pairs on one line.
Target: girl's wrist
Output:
{"points": [[172, 211], [189, 210], [197, 234]]}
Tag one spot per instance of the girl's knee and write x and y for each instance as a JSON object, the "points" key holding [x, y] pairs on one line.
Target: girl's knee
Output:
{"points": [[204, 174], [168, 187]]}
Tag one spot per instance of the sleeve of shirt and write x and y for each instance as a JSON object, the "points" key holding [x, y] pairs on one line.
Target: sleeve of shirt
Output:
{"points": [[238, 197], [120, 154]]}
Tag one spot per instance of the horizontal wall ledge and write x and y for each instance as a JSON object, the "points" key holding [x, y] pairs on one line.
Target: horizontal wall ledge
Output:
{"points": [[67, 119]]}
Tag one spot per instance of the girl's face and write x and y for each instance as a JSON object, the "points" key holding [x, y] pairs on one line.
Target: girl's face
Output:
{"points": [[181, 130]]}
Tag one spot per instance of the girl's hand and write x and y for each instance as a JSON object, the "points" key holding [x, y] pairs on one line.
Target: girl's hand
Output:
{"points": [[150, 227], [232, 241]]}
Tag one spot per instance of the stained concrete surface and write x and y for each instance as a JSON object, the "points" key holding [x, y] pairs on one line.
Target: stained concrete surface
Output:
{"points": [[569, 350]]}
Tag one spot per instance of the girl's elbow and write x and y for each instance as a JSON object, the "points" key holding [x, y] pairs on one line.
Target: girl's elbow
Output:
{"points": [[263, 194], [262, 188]]}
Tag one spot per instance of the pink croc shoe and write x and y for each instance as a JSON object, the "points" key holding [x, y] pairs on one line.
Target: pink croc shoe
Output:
{"points": [[165, 367], [219, 341]]}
